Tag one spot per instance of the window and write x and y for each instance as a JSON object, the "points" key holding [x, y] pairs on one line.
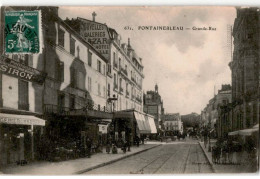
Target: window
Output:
{"points": [[23, 95], [120, 83], [104, 91], [72, 46], [114, 58], [89, 58], [115, 79], [119, 62], [80, 80], [99, 92], [89, 84], [73, 77], [72, 101], [108, 90], [104, 69], [61, 37], [99, 66], [61, 71]]}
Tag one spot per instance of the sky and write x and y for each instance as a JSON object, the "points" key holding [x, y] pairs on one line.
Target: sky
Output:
{"points": [[186, 64]]}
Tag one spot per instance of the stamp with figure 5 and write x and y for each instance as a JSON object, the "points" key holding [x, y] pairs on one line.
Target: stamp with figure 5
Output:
{"points": [[22, 32]]}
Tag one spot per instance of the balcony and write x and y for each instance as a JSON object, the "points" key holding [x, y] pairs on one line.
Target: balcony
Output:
{"points": [[55, 109], [138, 99], [127, 93], [121, 90], [115, 65], [88, 108], [123, 71], [115, 87]]}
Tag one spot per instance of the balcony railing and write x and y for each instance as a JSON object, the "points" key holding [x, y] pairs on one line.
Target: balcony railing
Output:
{"points": [[123, 70], [138, 99], [55, 109]]}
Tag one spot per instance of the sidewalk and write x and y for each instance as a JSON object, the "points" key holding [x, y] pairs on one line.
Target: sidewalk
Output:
{"points": [[76, 166], [245, 167]]}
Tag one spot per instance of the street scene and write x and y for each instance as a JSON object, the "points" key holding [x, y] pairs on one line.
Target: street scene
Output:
{"points": [[129, 90]]}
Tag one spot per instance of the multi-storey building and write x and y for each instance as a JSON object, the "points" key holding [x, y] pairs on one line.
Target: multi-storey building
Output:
{"points": [[211, 112], [173, 124], [245, 69], [125, 69], [153, 105], [72, 99], [124, 75]]}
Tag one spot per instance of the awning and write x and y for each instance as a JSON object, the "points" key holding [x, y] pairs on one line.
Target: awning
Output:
{"points": [[21, 119], [152, 124], [247, 132], [233, 133], [143, 125]]}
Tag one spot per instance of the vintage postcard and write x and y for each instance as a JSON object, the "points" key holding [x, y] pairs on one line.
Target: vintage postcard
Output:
{"points": [[93, 90]]}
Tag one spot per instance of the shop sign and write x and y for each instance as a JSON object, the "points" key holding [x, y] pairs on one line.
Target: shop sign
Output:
{"points": [[21, 121], [103, 129], [19, 70], [97, 35]]}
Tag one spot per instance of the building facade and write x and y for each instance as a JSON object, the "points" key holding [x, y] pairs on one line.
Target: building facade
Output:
{"points": [[71, 96], [245, 69], [223, 123], [173, 124], [211, 115], [124, 69]]}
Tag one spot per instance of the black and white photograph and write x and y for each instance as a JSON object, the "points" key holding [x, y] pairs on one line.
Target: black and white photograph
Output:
{"points": [[129, 90]]}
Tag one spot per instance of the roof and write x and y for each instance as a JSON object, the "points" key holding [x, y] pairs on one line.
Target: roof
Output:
{"points": [[172, 117]]}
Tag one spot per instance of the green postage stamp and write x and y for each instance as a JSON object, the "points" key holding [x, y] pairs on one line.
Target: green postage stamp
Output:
{"points": [[23, 32]]}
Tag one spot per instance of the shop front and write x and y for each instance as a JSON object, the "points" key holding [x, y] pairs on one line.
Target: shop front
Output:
{"points": [[19, 137], [131, 124]]}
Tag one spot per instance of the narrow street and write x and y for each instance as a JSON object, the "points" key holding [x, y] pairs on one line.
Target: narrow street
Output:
{"points": [[171, 158]]}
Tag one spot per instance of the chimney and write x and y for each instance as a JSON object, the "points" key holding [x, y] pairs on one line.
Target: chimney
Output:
{"points": [[94, 15]]}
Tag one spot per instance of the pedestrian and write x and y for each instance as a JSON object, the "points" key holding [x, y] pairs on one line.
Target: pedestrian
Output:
{"points": [[128, 146], [124, 146], [108, 146], [114, 149], [137, 139], [89, 145]]}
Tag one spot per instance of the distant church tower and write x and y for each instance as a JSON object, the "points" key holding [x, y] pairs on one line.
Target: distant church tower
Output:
{"points": [[156, 88]]}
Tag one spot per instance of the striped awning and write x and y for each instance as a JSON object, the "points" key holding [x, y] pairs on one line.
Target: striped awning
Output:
{"points": [[143, 125], [21, 119]]}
